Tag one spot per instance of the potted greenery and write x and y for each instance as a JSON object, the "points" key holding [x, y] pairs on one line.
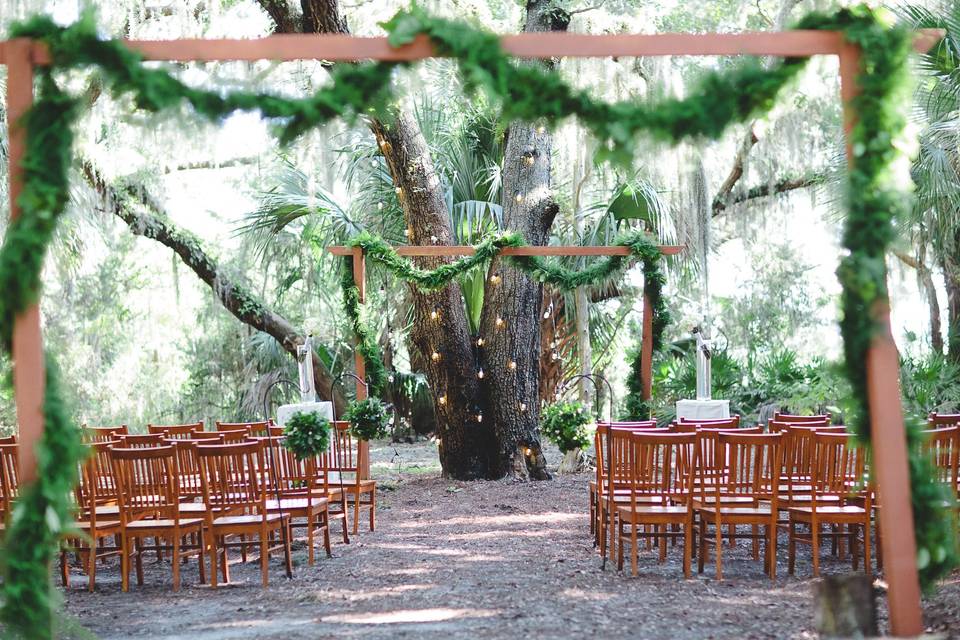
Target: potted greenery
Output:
{"points": [[369, 419], [307, 435], [565, 424]]}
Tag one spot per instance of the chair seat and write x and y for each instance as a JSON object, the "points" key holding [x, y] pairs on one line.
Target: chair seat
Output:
{"points": [[711, 500], [297, 504], [85, 525], [251, 520], [831, 512], [735, 513], [193, 507], [651, 512], [164, 523], [806, 498]]}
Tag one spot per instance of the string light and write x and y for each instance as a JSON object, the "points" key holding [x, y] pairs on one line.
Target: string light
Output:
{"points": [[398, 190], [442, 400], [523, 407], [527, 451], [435, 314], [479, 417], [529, 159], [495, 279], [408, 232], [380, 206], [554, 356], [518, 197], [435, 356], [433, 239], [479, 342], [480, 373], [500, 322], [512, 365], [541, 130]]}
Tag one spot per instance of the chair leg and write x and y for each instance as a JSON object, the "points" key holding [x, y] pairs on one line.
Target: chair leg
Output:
{"points": [[634, 552], [854, 556], [201, 561], [243, 548], [176, 561], [225, 568], [702, 554], [138, 545], [815, 547], [310, 523], [618, 534], [756, 541], [326, 533], [373, 507], [213, 559], [91, 568], [264, 558], [792, 547], [719, 549], [593, 514], [772, 549], [868, 569], [356, 512], [687, 546], [124, 563], [662, 530], [288, 559]]}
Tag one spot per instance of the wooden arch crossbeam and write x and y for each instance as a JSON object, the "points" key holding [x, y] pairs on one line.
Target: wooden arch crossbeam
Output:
{"points": [[21, 56]]}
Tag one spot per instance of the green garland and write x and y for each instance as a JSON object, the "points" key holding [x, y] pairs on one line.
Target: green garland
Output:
{"points": [[641, 246], [524, 93]]}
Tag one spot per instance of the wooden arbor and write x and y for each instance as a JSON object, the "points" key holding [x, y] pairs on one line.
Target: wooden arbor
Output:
{"points": [[888, 435]]}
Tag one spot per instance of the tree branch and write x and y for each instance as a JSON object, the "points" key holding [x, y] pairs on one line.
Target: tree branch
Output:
{"points": [[767, 190], [151, 222], [279, 11]]}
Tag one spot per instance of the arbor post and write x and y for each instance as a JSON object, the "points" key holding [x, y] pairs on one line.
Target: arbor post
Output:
{"points": [[360, 279], [887, 433], [28, 365], [646, 351]]}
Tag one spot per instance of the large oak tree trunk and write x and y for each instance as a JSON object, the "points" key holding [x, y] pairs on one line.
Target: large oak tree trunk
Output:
{"points": [[443, 341], [511, 317], [951, 280]]}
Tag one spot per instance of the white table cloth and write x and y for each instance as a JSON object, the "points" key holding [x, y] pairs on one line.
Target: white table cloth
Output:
{"points": [[285, 412], [703, 409]]}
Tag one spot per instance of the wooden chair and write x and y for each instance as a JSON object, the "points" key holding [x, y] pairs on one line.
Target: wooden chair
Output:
{"points": [[8, 439], [9, 479], [838, 498], [252, 428], [345, 473], [97, 519], [733, 422], [150, 508], [178, 431], [297, 491], [206, 437], [750, 477], [796, 419], [661, 477], [233, 478], [103, 434], [234, 436], [935, 420], [141, 440], [943, 447]]}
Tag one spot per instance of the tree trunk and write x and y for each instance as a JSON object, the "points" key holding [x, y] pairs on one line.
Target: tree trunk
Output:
{"points": [[444, 342], [152, 223], [951, 280], [511, 320], [930, 293]]}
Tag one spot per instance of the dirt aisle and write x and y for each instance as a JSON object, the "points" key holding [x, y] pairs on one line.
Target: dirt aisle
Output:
{"points": [[465, 560]]}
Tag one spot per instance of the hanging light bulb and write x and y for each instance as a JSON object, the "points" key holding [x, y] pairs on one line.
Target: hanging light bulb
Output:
{"points": [[495, 279], [554, 356], [527, 451], [546, 314], [433, 239], [480, 373], [398, 190], [442, 400], [408, 233], [529, 159], [435, 314], [541, 130], [380, 206], [523, 407], [435, 356], [479, 417], [512, 365], [518, 197], [500, 322], [479, 342]]}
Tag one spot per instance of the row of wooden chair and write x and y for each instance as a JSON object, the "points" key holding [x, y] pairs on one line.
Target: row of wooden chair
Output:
{"points": [[679, 482], [198, 491]]}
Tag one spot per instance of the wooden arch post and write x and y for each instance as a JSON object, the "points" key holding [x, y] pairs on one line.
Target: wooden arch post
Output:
{"points": [[888, 434]]}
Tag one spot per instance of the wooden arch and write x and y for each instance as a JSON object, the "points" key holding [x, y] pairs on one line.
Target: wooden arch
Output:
{"points": [[887, 427]]}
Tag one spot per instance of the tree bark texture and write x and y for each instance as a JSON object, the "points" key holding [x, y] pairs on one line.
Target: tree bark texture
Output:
{"points": [[510, 324], [930, 293], [951, 280], [152, 223]]}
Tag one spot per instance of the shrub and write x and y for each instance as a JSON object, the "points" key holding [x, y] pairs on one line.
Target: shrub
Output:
{"points": [[368, 419], [307, 435], [564, 423]]}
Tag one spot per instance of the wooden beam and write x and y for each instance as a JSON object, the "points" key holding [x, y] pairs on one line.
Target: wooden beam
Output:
{"points": [[464, 250], [359, 366], [338, 47], [28, 364], [888, 436], [646, 350]]}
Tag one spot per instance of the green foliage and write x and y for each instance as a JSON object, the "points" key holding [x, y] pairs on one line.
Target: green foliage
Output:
{"points": [[564, 423], [524, 92], [369, 419], [307, 435], [636, 408]]}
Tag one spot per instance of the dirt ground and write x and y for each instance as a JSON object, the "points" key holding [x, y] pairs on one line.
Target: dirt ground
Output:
{"points": [[468, 560]]}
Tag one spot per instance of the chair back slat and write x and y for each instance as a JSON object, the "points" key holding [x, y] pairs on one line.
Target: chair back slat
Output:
{"points": [[943, 419], [103, 434], [745, 464], [178, 431], [838, 465], [732, 422], [141, 440], [943, 447], [661, 466], [146, 481], [234, 436], [234, 476], [206, 437], [9, 477], [252, 428], [796, 419]]}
